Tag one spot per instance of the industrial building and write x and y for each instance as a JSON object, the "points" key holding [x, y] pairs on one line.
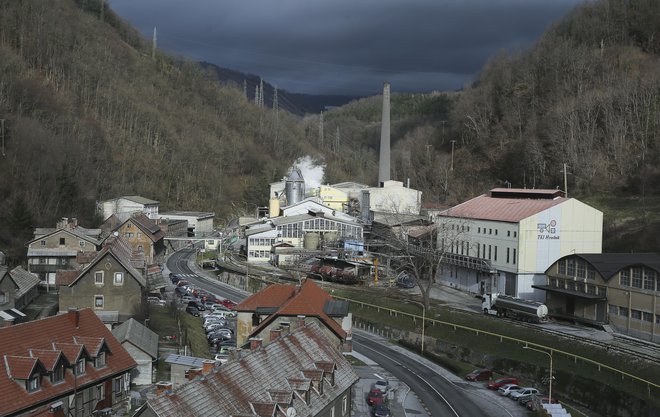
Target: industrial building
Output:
{"points": [[505, 240], [199, 223]]}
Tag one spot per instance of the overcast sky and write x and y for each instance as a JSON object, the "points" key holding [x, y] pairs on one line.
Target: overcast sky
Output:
{"points": [[346, 46]]}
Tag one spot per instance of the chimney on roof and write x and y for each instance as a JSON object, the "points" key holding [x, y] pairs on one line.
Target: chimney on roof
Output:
{"points": [[162, 387], [62, 223], [255, 343], [207, 367], [275, 333], [8, 322], [193, 373], [74, 316], [74, 222], [300, 321], [286, 327]]}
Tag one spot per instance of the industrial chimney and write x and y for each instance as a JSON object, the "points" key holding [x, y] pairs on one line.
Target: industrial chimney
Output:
{"points": [[384, 163]]}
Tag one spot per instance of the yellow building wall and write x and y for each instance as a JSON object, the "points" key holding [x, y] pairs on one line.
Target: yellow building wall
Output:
{"points": [[333, 197]]}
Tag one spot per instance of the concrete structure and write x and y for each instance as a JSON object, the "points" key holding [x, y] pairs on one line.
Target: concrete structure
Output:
{"points": [[333, 197], [63, 365], [127, 205], [619, 289], [65, 247], [298, 374], [199, 223], [393, 197], [504, 241], [110, 285], [142, 344], [384, 160], [181, 367]]}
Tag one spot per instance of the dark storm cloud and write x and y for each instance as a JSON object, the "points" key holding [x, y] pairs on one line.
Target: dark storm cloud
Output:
{"points": [[346, 46]]}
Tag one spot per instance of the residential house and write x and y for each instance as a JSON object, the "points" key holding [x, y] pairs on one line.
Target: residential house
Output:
{"points": [[280, 308], [144, 236], [142, 344], [8, 291], [619, 289], [28, 286], [68, 364], [109, 285], [126, 206], [504, 241], [60, 248], [299, 373]]}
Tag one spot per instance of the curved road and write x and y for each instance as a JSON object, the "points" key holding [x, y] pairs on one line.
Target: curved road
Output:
{"points": [[441, 397]]}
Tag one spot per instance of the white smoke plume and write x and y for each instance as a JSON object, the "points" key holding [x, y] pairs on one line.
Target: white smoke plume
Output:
{"points": [[312, 171]]}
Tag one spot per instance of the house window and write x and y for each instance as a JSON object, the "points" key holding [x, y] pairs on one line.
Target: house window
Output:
{"points": [[57, 375], [82, 243], [100, 360], [129, 234], [478, 250], [98, 277], [515, 234], [591, 289], [42, 260], [332, 411], [490, 250], [3, 297], [508, 233], [139, 235], [119, 278], [100, 392], [98, 301], [80, 367], [43, 243], [495, 232], [624, 278], [490, 231], [62, 241], [33, 383], [118, 386], [344, 405]]}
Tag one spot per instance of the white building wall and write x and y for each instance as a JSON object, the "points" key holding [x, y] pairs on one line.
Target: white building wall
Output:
{"points": [[121, 206], [144, 361], [393, 197]]}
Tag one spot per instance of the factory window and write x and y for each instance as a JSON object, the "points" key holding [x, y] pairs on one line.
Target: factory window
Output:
{"points": [[624, 278], [514, 256], [570, 268], [515, 234], [489, 251], [495, 253], [591, 273], [561, 266], [623, 311], [508, 259], [581, 269], [649, 279], [591, 289], [490, 231], [508, 233], [478, 250], [495, 232], [637, 277], [613, 310], [553, 282], [483, 248], [646, 316], [636, 314]]}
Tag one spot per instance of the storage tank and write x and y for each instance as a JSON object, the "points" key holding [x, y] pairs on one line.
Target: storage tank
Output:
{"points": [[311, 240], [330, 237], [274, 207], [294, 187]]}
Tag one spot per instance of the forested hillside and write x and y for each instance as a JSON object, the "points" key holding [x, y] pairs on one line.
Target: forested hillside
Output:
{"points": [[89, 114]]}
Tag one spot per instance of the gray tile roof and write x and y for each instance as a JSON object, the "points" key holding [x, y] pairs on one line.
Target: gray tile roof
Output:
{"points": [[139, 335], [25, 280], [268, 377], [138, 199]]}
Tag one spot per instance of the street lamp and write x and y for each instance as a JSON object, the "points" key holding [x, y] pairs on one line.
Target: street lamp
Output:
{"points": [[550, 356]]}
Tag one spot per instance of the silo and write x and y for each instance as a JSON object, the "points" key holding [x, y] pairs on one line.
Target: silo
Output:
{"points": [[294, 187]]}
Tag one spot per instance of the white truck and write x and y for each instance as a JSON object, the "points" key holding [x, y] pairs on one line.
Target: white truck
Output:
{"points": [[501, 305]]}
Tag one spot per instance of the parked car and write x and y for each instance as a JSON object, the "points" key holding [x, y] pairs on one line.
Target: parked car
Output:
{"points": [[375, 397], [404, 280], [537, 401], [208, 328], [209, 305], [382, 385], [479, 375], [182, 282], [187, 298], [220, 307], [221, 358], [223, 314], [197, 304], [193, 311], [217, 338], [156, 301], [500, 382], [381, 410], [507, 389], [228, 303], [214, 320], [528, 391]]}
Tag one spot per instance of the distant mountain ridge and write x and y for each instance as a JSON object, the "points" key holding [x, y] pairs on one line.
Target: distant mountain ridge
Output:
{"points": [[295, 103]]}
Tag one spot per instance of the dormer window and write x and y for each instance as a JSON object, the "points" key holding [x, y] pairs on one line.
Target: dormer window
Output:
{"points": [[33, 384], [80, 367], [57, 375], [99, 362]]}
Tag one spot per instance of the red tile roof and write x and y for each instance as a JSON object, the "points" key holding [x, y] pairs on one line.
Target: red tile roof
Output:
{"points": [[65, 277], [53, 334], [20, 367], [306, 300], [511, 210], [48, 358]]}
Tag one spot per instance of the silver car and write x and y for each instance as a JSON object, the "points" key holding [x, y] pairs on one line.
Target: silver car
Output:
{"points": [[507, 389]]}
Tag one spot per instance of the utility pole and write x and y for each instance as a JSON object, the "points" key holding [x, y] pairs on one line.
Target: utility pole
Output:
{"points": [[443, 131], [2, 135], [275, 116], [565, 172], [321, 130], [261, 92], [154, 43], [337, 140], [428, 151], [453, 142]]}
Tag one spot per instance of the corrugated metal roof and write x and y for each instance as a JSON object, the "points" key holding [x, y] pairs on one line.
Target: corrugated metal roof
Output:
{"points": [[510, 210], [186, 360]]}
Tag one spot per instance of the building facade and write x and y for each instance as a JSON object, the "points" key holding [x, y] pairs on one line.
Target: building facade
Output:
{"points": [[619, 289], [199, 223], [504, 241], [127, 205], [142, 344], [144, 236]]}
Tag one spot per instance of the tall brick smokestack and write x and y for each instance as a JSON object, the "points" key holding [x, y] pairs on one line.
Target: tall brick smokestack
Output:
{"points": [[384, 163]]}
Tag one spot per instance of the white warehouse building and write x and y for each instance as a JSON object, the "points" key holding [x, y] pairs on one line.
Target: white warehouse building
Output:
{"points": [[504, 241]]}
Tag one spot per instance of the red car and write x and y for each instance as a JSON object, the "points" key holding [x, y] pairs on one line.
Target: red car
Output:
{"points": [[375, 397], [500, 382], [228, 303], [479, 375]]}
